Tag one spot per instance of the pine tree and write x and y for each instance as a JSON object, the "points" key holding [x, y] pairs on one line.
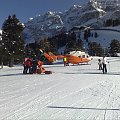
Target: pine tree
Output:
{"points": [[12, 42], [95, 49], [114, 47], [45, 45], [29, 51], [96, 35]]}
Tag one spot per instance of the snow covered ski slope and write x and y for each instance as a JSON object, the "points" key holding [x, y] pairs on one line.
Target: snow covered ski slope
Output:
{"points": [[79, 92]]}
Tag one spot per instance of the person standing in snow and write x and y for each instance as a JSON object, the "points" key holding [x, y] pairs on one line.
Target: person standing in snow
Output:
{"points": [[34, 65], [104, 62], [27, 66], [64, 61], [100, 64]]}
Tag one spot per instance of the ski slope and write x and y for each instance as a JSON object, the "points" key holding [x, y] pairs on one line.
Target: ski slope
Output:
{"points": [[79, 92]]}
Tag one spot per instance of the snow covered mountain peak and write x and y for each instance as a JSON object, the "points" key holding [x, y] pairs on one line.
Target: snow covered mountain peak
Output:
{"points": [[106, 4], [51, 23], [75, 7]]}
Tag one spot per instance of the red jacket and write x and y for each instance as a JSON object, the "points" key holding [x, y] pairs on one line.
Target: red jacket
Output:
{"points": [[27, 63]]}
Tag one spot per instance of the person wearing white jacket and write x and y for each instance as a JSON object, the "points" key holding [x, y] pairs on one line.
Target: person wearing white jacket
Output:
{"points": [[104, 62]]}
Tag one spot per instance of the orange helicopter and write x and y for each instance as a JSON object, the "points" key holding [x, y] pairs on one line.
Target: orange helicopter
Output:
{"points": [[77, 57], [74, 57]]}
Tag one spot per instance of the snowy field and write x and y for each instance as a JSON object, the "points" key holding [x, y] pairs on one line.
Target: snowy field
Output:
{"points": [[79, 92]]}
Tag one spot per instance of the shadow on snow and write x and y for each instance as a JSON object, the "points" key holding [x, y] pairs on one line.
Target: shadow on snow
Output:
{"points": [[11, 74], [109, 73], [95, 73], [57, 107]]}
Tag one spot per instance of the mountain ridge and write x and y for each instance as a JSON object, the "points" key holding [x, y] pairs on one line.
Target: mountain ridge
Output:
{"points": [[51, 23]]}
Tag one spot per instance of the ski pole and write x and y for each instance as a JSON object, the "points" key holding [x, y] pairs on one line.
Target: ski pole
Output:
{"points": [[109, 67]]}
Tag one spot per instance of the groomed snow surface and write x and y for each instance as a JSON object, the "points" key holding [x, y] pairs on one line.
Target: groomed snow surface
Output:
{"points": [[79, 92]]}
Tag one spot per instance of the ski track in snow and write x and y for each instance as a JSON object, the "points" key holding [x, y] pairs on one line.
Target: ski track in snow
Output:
{"points": [[79, 92]]}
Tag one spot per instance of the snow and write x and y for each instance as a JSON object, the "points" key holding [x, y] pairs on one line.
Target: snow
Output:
{"points": [[72, 92], [105, 36]]}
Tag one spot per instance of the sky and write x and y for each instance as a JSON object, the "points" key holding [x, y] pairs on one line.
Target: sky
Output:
{"points": [[25, 9]]}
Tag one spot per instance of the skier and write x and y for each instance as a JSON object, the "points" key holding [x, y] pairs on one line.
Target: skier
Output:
{"points": [[104, 62], [100, 64]]}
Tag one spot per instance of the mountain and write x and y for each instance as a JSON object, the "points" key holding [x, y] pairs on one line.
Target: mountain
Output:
{"points": [[106, 5], [92, 14], [51, 23], [43, 26]]}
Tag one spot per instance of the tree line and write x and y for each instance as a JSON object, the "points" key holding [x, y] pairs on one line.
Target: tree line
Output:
{"points": [[111, 22], [13, 48], [95, 49]]}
